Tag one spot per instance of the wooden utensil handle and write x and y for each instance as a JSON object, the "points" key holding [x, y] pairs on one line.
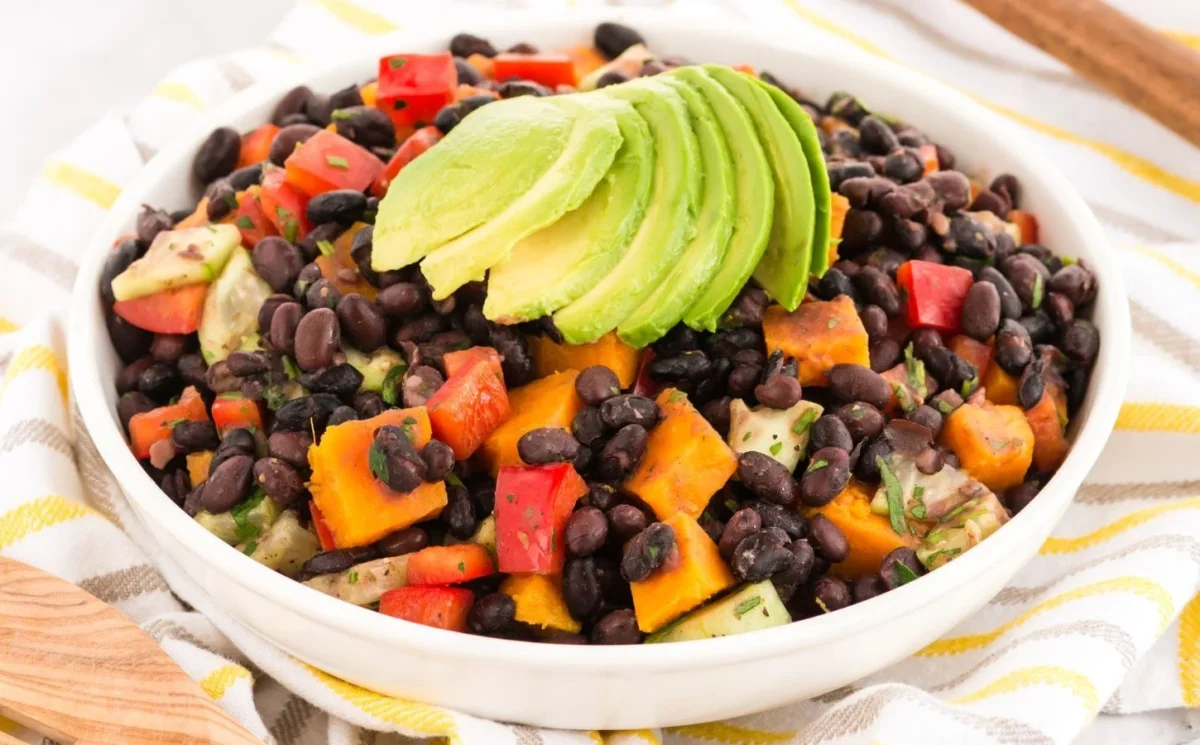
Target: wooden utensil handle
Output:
{"points": [[1146, 69]]}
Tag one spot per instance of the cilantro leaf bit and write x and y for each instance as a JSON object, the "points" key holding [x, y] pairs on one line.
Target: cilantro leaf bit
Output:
{"points": [[326, 248], [338, 162], [1039, 291], [240, 513], [746, 606], [244, 222], [676, 396], [353, 577], [805, 422], [895, 496], [904, 575], [453, 480], [378, 463], [776, 448], [339, 115], [392, 382], [250, 548], [396, 63], [462, 567], [817, 465]]}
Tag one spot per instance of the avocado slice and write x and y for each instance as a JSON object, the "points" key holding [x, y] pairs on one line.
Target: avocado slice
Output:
{"points": [[783, 269], [454, 187], [595, 139], [285, 546], [665, 230], [552, 267], [751, 608], [754, 201], [178, 258], [806, 132], [229, 321], [704, 254]]}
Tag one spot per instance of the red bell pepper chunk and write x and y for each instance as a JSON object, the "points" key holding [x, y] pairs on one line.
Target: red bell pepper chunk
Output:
{"points": [[452, 362], [417, 143], [284, 205], [328, 161], [439, 607], [533, 504], [449, 565], [174, 311], [935, 294], [644, 384], [150, 427], [469, 407], [256, 145], [251, 220], [232, 411], [413, 87], [550, 70], [324, 534]]}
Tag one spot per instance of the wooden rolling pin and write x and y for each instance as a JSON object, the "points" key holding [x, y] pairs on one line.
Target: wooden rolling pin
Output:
{"points": [[75, 670], [1148, 70]]}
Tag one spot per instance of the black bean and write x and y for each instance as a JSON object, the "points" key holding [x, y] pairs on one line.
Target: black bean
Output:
{"points": [[342, 380], [891, 576], [1039, 326], [286, 140], [322, 293], [614, 38], [716, 412], [1019, 497], [617, 627], [467, 74], [759, 555], [1010, 304], [690, 365], [626, 520], [291, 103], [361, 323], [1032, 385], [222, 199], [909, 201], [403, 541], [464, 45], [861, 230], [278, 480], [597, 384], [778, 392], [168, 347], [845, 106], [862, 420], [119, 259], [1028, 277], [777, 516], [903, 165], [160, 381], [788, 580], [586, 531], [876, 136], [366, 126], [317, 339], [460, 516], [866, 467], [330, 562], [1013, 347], [306, 413], [742, 380], [875, 321], [284, 323], [747, 309], [420, 384], [950, 370], [626, 409], [547, 445], [831, 593], [865, 192], [127, 379], [926, 416], [266, 311], [439, 460], [491, 613], [623, 452], [857, 383], [841, 171], [1059, 309], [830, 431], [766, 477], [341, 206], [601, 496], [827, 474], [885, 354], [517, 88], [952, 188], [309, 275], [867, 587], [277, 262], [290, 447], [647, 551], [833, 284], [191, 436], [981, 311], [245, 177], [743, 523], [402, 469], [878, 288], [827, 539], [1076, 283], [132, 403], [176, 485], [1081, 341], [228, 484], [587, 426], [244, 364], [218, 155], [341, 415]]}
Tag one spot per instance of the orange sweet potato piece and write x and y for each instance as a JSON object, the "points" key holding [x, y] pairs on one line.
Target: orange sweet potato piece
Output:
{"points": [[539, 601], [692, 573], [256, 145], [587, 59], [870, 536], [357, 507], [838, 207], [686, 460], [1027, 223], [549, 402], [975, 352], [550, 357], [993, 443], [819, 335], [484, 65], [999, 387], [369, 92], [340, 269], [197, 466], [1048, 420]]}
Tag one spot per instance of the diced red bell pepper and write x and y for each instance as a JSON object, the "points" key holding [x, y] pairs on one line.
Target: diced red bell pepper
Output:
{"points": [[413, 87], [452, 362], [935, 294], [449, 565], [469, 407], [533, 504], [257, 145], [929, 158], [150, 427], [232, 411], [440, 607], [327, 161], [174, 311], [644, 384], [550, 70], [324, 534], [417, 143], [251, 219], [285, 205], [1028, 224]]}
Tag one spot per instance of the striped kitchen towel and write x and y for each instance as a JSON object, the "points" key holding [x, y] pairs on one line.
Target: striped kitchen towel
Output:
{"points": [[1105, 620]]}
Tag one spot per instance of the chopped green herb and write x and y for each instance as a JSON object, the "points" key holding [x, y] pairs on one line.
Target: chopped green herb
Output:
{"points": [[230, 395], [746, 437], [904, 575], [392, 382], [290, 369], [914, 371], [1069, 260], [746, 606], [453, 480], [291, 231], [945, 407], [918, 512], [462, 567], [240, 513], [244, 222], [337, 161], [919, 493], [821, 604], [731, 505], [1039, 290], [857, 411], [250, 548], [956, 511], [652, 551], [904, 397], [677, 396], [805, 422], [176, 422], [353, 577], [396, 63], [231, 200], [776, 448], [817, 465], [510, 498], [969, 386], [936, 536], [275, 395], [326, 248], [378, 463], [895, 496], [341, 115], [950, 552]]}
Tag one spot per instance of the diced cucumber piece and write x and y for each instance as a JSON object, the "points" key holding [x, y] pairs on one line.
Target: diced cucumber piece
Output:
{"points": [[362, 584], [178, 258], [751, 608], [244, 522], [374, 367], [230, 318], [285, 546]]}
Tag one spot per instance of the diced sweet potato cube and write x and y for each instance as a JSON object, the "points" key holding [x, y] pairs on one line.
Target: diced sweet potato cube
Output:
{"points": [[686, 460], [358, 508], [608, 350], [197, 466], [339, 267], [539, 601], [692, 573], [975, 352], [1048, 420], [819, 335], [993, 443], [999, 387], [870, 535], [549, 402], [838, 207]]}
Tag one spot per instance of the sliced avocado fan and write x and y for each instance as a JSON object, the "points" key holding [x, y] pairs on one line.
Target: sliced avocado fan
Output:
{"points": [[454, 187], [702, 256], [783, 269], [668, 225], [806, 132], [754, 201], [552, 267]]}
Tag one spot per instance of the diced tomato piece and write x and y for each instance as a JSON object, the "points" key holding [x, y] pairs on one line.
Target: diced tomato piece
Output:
{"points": [[232, 411], [251, 220], [1028, 224], [469, 407], [449, 565], [417, 143], [440, 607], [644, 384], [149, 427], [324, 535], [975, 352], [935, 293], [452, 362], [328, 161], [550, 70], [257, 145], [929, 158], [413, 87], [533, 504], [174, 311], [285, 205]]}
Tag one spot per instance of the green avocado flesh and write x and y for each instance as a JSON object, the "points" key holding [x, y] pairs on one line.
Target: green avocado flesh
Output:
{"points": [[554, 266], [490, 160], [806, 132], [754, 203], [783, 269], [589, 152], [703, 255], [667, 226], [751, 608]]}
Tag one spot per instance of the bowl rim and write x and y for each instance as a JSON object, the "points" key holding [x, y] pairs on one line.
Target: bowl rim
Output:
{"points": [[1107, 389]]}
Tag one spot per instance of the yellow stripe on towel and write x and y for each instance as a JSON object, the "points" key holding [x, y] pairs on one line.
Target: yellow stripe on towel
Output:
{"points": [[1039, 675], [37, 515], [216, 683], [81, 182], [357, 17]]}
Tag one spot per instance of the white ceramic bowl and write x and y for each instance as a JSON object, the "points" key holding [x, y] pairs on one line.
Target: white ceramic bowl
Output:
{"points": [[637, 686]]}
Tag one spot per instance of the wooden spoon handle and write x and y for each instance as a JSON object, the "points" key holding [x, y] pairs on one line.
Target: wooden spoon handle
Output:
{"points": [[1144, 68]]}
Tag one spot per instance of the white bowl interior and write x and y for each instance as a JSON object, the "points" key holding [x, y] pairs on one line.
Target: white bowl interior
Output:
{"points": [[580, 687]]}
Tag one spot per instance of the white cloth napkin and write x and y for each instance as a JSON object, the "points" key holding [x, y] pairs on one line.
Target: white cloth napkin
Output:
{"points": [[1105, 619]]}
